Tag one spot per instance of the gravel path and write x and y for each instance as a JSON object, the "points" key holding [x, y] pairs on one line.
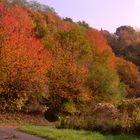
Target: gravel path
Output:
{"points": [[12, 134]]}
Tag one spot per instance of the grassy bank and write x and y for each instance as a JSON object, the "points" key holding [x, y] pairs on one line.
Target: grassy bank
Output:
{"points": [[51, 133]]}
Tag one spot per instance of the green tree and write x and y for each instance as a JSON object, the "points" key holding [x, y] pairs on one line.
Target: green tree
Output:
{"points": [[105, 84]]}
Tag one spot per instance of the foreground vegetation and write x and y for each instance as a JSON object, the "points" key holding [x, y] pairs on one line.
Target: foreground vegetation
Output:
{"points": [[51, 133]]}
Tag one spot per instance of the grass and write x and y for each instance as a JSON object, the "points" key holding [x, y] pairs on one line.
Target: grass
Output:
{"points": [[51, 133]]}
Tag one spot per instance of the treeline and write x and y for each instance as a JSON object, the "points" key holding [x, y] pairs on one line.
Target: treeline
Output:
{"points": [[66, 70]]}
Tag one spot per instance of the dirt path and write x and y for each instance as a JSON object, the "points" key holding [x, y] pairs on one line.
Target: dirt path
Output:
{"points": [[12, 134]]}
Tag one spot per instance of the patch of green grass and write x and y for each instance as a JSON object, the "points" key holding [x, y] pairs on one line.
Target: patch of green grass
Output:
{"points": [[52, 133]]}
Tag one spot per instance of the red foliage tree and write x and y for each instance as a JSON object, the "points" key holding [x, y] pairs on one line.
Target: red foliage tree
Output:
{"points": [[24, 62]]}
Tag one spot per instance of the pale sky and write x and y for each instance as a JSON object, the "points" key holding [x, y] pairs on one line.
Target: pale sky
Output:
{"points": [[106, 14]]}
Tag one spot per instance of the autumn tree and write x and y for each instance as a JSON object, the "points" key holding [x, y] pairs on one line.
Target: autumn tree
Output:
{"points": [[68, 19], [129, 75], [23, 60], [125, 43], [40, 26], [103, 79], [83, 23], [105, 84], [21, 3], [126, 34], [68, 74], [102, 53], [39, 7]]}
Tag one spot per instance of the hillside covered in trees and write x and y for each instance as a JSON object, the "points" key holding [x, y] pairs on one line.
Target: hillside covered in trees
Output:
{"points": [[88, 79]]}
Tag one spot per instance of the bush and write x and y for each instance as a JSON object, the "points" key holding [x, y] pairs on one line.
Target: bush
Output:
{"points": [[100, 117], [130, 115], [106, 118]]}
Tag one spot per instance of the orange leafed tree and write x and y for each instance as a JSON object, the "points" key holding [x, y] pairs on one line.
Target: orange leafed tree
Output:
{"points": [[130, 75], [24, 62], [100, 48]]}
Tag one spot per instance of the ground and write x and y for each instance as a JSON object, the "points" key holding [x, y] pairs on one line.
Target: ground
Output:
{"points": [[12, 134], [10, 121], [18, 119]]}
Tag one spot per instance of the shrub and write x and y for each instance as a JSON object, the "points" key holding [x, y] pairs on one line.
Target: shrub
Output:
{"points": [[100, 117]]}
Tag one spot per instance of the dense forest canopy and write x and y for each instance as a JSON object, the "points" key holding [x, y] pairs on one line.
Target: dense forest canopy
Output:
{"points": [[54, 65]]}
